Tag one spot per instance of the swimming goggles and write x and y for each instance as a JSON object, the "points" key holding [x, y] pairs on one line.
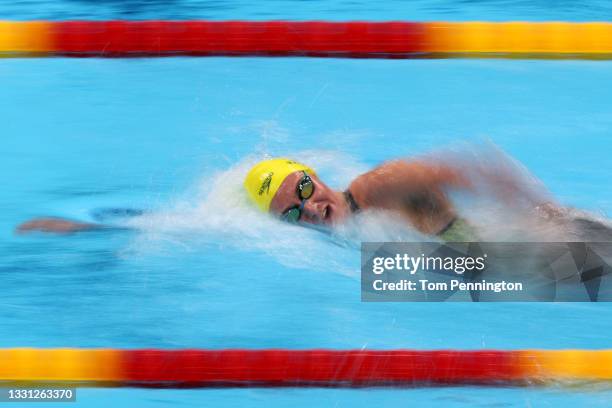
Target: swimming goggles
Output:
{"points": [[305, 189]]}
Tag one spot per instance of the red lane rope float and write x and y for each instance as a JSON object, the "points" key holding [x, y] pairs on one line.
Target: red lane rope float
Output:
{"points": [[309, 38], [238, 38], [325, 368], [319, 367]]}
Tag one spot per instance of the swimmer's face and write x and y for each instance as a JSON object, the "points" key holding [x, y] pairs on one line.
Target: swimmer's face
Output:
{"points": [[325, 206]]}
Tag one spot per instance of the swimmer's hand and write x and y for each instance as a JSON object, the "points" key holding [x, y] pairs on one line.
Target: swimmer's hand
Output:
{"points": [[55, 225]]}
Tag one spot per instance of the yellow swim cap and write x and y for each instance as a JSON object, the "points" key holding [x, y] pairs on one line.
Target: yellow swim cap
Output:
{"points": [[264, 179]]}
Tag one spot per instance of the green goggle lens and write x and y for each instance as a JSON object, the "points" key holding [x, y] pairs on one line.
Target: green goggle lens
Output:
{"points": [[292, 215]]}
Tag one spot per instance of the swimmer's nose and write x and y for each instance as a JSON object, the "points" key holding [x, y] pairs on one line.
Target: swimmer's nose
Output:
{"points": [[316, 210]]}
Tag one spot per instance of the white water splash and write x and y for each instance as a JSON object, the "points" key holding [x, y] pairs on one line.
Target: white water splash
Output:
{"points": [[216, 212]]}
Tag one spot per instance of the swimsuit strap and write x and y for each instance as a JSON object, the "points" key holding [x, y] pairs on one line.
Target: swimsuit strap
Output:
{"points": [[458, 230], [351, 201], [448, 227]]}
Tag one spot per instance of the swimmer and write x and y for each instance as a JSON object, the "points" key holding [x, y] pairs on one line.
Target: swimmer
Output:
{"points": [[415, 190]]}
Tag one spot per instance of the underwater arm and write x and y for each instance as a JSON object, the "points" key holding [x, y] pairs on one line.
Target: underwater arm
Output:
{"points": [[55, 225]]}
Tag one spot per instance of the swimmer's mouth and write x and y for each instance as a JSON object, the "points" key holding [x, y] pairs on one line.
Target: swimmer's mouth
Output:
{"points": [[326, 213]]}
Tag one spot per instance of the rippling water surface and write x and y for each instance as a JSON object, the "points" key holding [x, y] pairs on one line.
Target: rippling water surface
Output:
{"points": [[172, 136], [536, 10]]}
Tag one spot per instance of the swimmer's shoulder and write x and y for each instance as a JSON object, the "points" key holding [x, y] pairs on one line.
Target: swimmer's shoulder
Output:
{"points": [[373, 188]]}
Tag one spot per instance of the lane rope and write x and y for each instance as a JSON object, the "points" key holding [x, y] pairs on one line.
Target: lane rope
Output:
{"points": [[395, 39], [277, 368]]}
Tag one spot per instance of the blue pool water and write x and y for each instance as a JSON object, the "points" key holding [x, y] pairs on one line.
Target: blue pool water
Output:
{"points": [[174, 135]]}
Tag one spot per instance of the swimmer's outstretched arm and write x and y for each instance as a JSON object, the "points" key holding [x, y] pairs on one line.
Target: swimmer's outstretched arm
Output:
{"points": [[416, 188], [400, 177], [56, 225]]}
